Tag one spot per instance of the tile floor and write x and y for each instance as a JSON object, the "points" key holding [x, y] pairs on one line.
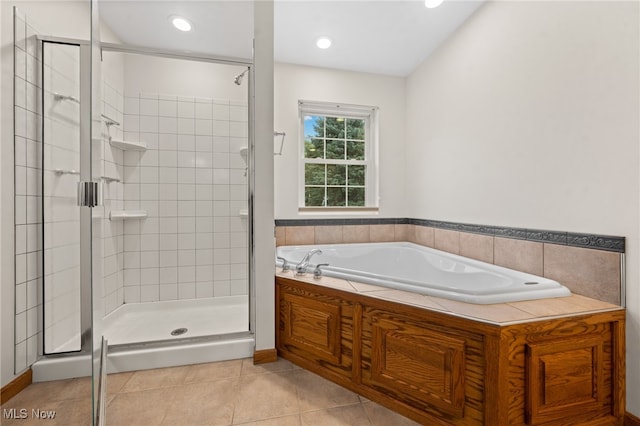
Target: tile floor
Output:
{"points": [[221, 393]]}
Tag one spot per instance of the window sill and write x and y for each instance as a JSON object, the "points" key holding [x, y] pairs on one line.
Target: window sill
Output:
{"points": [[337, 211]]}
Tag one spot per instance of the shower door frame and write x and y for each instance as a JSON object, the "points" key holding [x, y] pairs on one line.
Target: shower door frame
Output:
{"points": [[86, 308], [225, 60]]}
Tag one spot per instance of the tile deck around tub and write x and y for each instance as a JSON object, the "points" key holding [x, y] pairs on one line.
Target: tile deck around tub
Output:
{"points": [[497, 313]]}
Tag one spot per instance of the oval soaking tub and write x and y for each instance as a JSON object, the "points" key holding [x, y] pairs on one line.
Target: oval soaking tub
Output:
{"points": [[419, 269]]}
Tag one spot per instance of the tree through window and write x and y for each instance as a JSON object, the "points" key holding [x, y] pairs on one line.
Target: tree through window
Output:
{"points": [[337, 155]]}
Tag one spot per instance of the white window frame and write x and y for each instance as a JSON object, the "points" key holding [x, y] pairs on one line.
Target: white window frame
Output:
{"points": [[331, 109]]}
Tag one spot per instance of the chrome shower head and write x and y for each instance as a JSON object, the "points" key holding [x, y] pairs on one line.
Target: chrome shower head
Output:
{"points": [[238, 79]]}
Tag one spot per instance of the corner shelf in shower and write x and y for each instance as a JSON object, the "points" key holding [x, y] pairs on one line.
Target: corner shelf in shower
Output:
{"points": [[127, 214], [128, 145]]}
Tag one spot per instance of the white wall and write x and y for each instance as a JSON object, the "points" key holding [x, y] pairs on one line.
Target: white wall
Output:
{"points": [[293, 83], [529, 117]]}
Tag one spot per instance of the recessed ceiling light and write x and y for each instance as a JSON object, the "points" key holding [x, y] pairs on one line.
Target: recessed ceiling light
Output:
{"points": [[183, 24], [323, 42], [430, 4]]}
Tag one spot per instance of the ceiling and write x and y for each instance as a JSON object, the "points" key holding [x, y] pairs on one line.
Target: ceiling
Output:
{"points": [[384, 37]]}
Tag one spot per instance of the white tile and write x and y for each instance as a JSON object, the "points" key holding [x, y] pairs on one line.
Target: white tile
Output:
{"points": [[186, 274], [238, 271], [149, 259], [186, 192], [187, 290], [205, 224], [204, 256], [204, 273], [221, 288], [221, 257], [238, 113], [204, 111], [167, 208], [21, 356], [21, 239], [168, 108], [168, 225], [131, 294], [149, 276], [148, 124], [203, 176], [186, 159], [131, 123], [148, 174], [204, 159], [150, 242], [204, 143], [32, 348], [220, 112], [167, 175], [34, 263], [238, 255], [222, 144], [206, 208], [186, 241], [238, 129], [204, 289], [220, 160], [20, 153], [168, 275], [149, 191], [168, 125], [186, 208], [149, 293], [186, 258], [204, 192], [21, 180], [169, 292], [168, 258], [21, 327], [167, 241], [131, 105], [186, 126], [204, 127], [148, 107], [221, 272], [168, 141], [186, 225], [21, 298], [168, 191], [186, 142], [221, 128], [167, 159], [186, 175], [204, 240], [34, 236], [33, 325], [221, 177], [131, 277], [151, 139], [186, 109], [34, 288], [221, 240]]}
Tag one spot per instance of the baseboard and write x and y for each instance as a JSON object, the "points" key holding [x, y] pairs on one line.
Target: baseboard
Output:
{"points": [[631, 420], [15, 386], [264, 356]]}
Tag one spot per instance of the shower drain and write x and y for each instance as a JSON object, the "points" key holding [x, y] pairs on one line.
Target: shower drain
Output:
{"points": [[178, 331]]}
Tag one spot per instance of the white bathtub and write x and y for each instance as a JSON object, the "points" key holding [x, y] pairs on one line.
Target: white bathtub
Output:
{"points": [[411, 267]]}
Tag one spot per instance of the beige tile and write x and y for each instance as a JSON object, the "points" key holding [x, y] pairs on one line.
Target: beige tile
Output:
{"points": [[336, 283], [350, 415], [364, 288], [407, 298], [262, 396], [299, 235], [293, 420], [281, 238], [156, 378], [116, 381], [499, 312], [56, 390], [210, 403], [446, 240], [72, 412], [525, 256], [476, 246], [248, 368], [144, 408], [213, 371], [315, 393], [424, 235], [401, 232], [64, 412], [328, 234], [381, 233], [355, 233], [382, 416], [562, 305], [592, 273], [411, 234]]}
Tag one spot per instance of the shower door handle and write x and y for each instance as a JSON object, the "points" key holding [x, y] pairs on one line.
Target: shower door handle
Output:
{"points": [[89, 194]]}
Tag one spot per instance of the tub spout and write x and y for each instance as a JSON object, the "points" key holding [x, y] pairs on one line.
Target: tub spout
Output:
{"points": [[301, 267]]}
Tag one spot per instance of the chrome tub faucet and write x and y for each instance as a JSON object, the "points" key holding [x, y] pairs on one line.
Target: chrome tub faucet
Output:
{"points": [[301, 267]]}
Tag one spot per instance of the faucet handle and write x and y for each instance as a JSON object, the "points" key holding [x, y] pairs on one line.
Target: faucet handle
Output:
{"points": [[317, 273], [285, 264]]}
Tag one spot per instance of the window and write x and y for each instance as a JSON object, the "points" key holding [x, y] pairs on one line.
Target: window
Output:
{"points": [[338, 150]]}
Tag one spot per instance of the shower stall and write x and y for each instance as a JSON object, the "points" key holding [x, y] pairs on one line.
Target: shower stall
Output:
{"points": [[133, 201]]}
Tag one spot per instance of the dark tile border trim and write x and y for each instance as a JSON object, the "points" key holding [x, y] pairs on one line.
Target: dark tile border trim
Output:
{"points": [[592, 241]]}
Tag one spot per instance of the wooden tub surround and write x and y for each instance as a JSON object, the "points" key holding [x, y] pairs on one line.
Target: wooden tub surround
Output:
{"points": [[546, 362]]}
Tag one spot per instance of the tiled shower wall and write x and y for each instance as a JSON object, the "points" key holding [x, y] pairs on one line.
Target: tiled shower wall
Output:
{"points": [[112, 168], [192, 182], [28, 196]]}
